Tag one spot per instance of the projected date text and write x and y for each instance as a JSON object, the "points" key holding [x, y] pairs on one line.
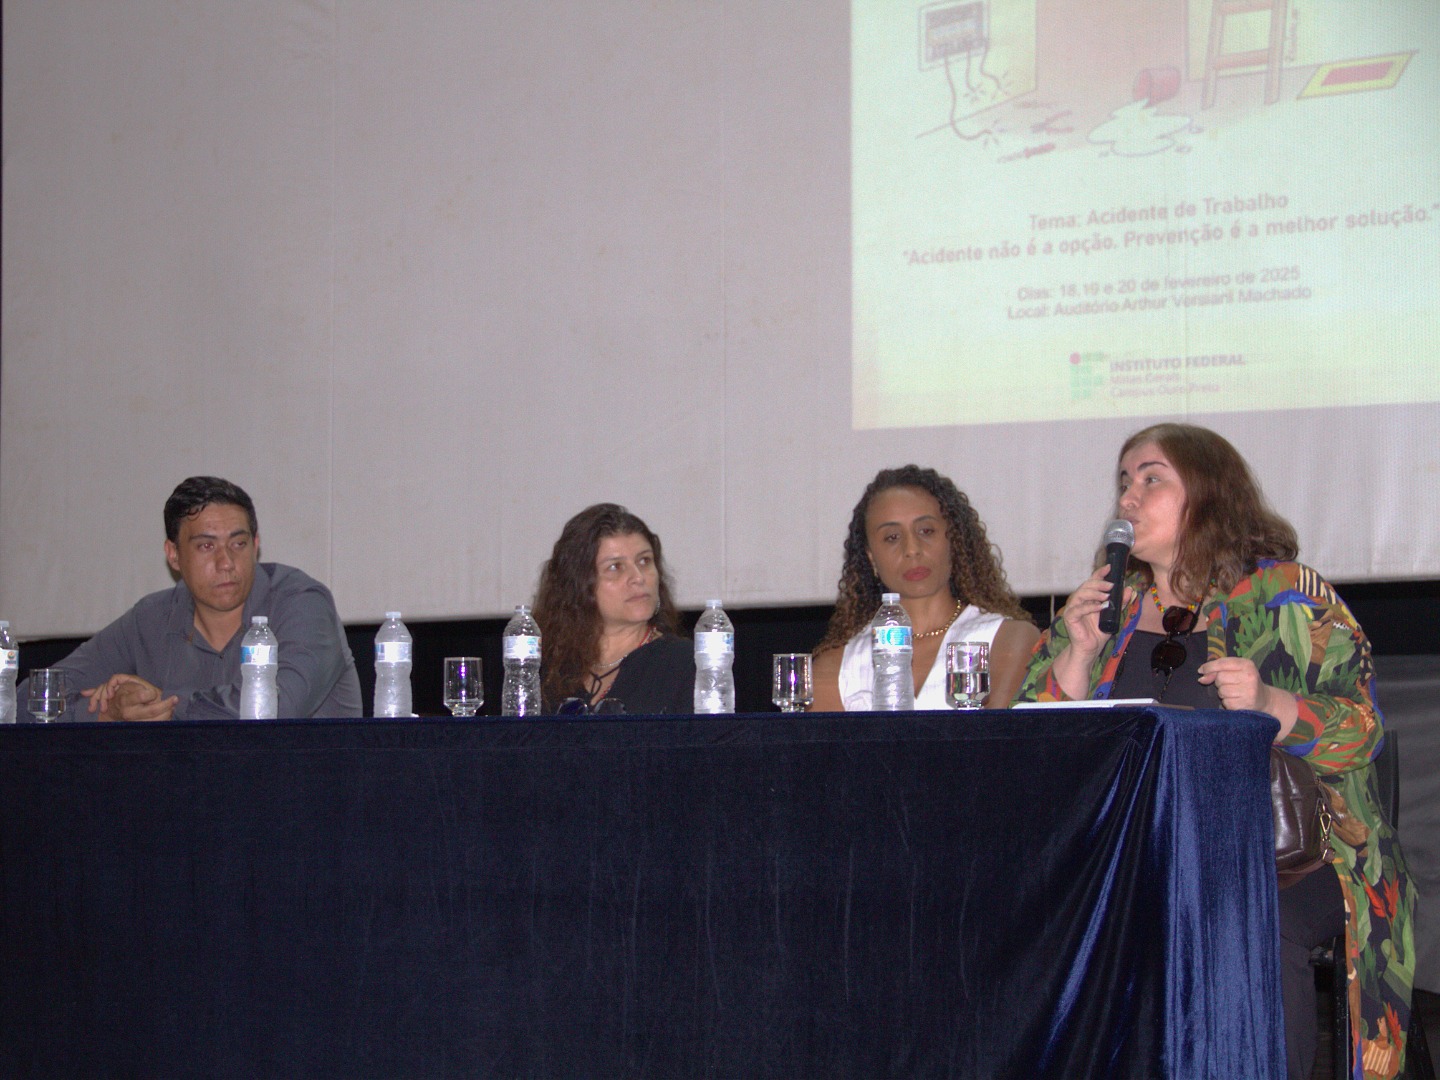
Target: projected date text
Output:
{"points": [[1161, 292]]}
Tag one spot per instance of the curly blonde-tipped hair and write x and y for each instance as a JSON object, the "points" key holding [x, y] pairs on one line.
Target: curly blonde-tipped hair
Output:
{"points": [[976, 575]]}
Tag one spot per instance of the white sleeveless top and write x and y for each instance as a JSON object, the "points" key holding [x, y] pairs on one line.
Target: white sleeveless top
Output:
{"points": [[857, 676]]}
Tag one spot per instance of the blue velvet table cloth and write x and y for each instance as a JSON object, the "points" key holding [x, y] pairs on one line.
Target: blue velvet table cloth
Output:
{"points": [[1071, 893]]}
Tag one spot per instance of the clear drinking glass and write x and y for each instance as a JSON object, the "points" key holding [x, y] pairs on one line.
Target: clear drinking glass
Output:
{"points": [[464, 692], [967, 673], [793, 688], [47, 694]]}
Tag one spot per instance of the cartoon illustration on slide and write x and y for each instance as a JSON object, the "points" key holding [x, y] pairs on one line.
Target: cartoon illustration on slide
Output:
{"points": [[1162, 205], [1135, 78]]}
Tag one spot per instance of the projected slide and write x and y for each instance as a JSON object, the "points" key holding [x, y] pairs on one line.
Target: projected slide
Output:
{"points": [[1073, 210]]}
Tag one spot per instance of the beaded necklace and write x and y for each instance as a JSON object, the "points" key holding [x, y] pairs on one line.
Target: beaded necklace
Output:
{"points": [[959, 607]]}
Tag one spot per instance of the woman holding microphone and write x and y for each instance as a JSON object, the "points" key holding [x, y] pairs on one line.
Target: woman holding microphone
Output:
{"points": [[1217, 614]]}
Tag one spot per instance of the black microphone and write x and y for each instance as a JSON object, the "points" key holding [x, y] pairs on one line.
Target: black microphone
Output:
{"points": [[1119, 539]]}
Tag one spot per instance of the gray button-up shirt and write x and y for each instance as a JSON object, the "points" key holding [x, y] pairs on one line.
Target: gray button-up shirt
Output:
{"points": [[157, 640]]}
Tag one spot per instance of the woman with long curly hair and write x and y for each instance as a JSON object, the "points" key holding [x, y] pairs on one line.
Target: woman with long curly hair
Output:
{"points": [[606, 610], [1226, 618], [915, 533]]}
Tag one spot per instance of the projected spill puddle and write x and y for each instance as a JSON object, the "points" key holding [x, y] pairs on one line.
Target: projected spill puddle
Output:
{"points": [[1137, 130]]}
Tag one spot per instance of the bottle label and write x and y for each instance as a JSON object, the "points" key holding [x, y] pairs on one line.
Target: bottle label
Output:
{"points": [[9, 659], [892, 639], [522, 647], [257, 654], [393, 652], [715, 643]]}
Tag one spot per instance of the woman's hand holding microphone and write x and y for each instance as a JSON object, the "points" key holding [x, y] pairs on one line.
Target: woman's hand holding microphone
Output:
{"points": [[1082, 622]]}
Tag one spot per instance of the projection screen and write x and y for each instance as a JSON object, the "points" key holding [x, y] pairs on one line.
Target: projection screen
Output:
{"points": [[427, 278]]}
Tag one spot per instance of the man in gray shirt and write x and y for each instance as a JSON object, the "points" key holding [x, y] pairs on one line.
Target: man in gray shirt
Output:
{"points": [[176, 654]]}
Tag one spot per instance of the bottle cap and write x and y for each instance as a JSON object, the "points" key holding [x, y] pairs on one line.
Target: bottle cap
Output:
{"points": [[890, 598], [712, 603], [521, 607], [392, 615], [259, 620], [4, 624]]}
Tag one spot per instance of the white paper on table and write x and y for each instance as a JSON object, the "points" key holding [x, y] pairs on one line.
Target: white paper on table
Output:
{"points": [[1088, 703]]}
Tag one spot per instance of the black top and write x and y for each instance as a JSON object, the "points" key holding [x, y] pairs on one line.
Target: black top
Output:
{"points": [[657, 679], [1135, 679]]}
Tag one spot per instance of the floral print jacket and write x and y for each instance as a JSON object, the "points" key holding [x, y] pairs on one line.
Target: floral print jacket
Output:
{"points": [[1290, 622]]}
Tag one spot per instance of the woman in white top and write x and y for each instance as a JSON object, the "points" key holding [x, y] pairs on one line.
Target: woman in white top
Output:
{"points": [[914, 533]]}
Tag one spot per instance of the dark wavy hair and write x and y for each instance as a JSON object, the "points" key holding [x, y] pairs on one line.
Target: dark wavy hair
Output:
{"points": [[565, 604], [197, 492], [1228, 524], [976, 575]]}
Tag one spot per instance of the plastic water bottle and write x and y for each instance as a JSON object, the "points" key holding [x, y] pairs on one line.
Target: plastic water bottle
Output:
{"points": [[520, 693], [394, 648], [259, 661], [714, 657], [891, 648], [9, 669]]}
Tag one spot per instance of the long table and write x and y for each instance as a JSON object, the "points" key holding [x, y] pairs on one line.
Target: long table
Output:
{"points": [[1076, 893]]}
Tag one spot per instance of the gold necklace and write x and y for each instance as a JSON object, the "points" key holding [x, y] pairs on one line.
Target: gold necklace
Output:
{"points": [[959, 607]]}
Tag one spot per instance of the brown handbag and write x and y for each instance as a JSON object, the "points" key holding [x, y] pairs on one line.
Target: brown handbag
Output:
{"points": [[1307, 813]]}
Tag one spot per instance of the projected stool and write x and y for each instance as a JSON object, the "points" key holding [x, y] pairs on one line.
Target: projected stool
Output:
{"points": [[1217, 61]]}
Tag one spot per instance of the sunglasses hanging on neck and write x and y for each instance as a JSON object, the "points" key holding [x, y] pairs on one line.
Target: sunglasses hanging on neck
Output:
{"points": [[1171, 654]]}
